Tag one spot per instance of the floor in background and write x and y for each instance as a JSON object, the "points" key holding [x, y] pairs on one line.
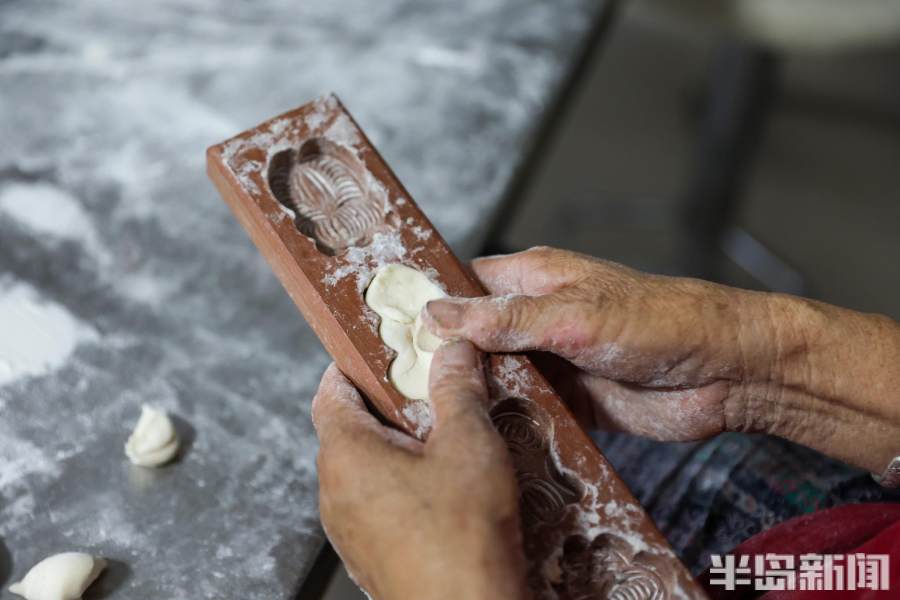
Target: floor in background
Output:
{"points": [[824, 194]]}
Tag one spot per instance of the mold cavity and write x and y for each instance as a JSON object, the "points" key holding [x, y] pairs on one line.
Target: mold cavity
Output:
{"points": [[608, 567], [329, 191], [519, 427], [544, 490]]}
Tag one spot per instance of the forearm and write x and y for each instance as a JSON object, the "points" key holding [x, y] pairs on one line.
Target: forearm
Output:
{"points": [[833, 381]]}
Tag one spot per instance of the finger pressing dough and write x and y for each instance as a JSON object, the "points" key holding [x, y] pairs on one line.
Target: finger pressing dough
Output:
{"points": [[398, 293], [59, 577], [154, 441]]}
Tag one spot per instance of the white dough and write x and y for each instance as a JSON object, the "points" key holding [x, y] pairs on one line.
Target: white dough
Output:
{"points": [[154, 441], [398, 293], [59, 577]]}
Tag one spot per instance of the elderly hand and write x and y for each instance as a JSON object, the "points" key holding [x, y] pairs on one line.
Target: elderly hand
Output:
{"points": [[683, 359], [412, 520]]}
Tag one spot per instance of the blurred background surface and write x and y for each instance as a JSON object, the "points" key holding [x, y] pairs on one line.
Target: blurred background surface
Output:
{"points": [[822, 192]]}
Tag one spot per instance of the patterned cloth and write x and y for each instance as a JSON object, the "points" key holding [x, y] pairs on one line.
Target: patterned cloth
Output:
{"points": [[708, 497]]}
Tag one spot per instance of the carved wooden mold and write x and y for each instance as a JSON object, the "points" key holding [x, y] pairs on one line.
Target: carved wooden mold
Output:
{"points": [[544, 490], [326, 211], [325, 185], [608, 567]]}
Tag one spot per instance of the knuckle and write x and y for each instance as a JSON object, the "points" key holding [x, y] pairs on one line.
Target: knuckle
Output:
{"points": [[520, 315], [498, 319], [505, 318], [537, 257], [540, 251]]}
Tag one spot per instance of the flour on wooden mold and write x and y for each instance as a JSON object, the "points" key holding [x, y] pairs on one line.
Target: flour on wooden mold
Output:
{"points": [[360, 262], [342, 131], [511, 378], [245, 172], [621, 520], [262, 139], [594, 518], [322, 107], [421, 233], [418, 413]]}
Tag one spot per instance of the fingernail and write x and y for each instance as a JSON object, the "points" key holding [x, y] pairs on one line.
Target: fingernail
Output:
{"points": [[458, 353], [446, 313]]}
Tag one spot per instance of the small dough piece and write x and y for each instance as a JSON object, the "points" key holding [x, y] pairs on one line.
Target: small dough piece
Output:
{"points": [[398, 293], [154, 441], [59, 577]]}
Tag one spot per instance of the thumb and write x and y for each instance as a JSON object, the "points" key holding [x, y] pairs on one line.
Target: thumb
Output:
{"points": [[514, 323], [458, 394]]}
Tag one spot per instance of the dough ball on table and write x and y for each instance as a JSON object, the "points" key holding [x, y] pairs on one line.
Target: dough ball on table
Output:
{"points": [[59, 577], [154, 441]]}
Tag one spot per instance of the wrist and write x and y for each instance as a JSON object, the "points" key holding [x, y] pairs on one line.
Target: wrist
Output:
{"points": [[828, 381], [459, 582], [476, 566], [844, 358], [770, 346]]}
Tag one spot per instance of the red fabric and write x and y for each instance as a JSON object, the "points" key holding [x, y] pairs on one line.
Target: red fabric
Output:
{"points": [[866, 528]]}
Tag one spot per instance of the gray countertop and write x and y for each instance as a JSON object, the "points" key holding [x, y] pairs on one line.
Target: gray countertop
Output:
{"points": [[125, 280]]}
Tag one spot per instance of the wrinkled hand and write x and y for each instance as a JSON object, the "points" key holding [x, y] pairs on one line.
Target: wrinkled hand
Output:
{"points": [[663, 357], [681, 359], [420, 520]]}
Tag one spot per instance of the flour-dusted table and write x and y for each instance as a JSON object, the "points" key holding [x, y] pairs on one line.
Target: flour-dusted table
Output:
{"points": [[124, 279]]}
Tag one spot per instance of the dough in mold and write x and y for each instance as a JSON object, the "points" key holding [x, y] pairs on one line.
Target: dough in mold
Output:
{"points": [[398, 293]]}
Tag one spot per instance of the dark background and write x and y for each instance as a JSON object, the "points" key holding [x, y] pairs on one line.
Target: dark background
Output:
{"points": [[822, 192]]}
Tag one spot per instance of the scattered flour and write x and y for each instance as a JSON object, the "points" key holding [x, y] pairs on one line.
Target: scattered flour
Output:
{"points": [[23, 463], [421, 233], [45, 208], [468, 60], [49, 210], [316, 118], [275, 136], [262, 139], [245, 175], [510, 378], [21, 458], [38, 335]]}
